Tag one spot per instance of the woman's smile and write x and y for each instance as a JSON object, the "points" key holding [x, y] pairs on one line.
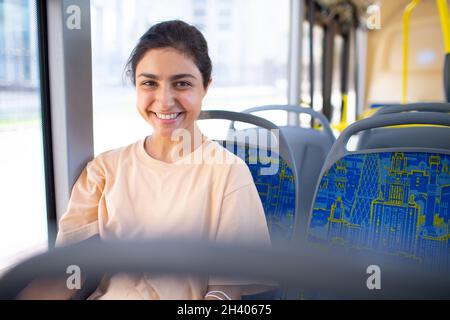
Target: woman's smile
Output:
{"points": [[168, 118]]}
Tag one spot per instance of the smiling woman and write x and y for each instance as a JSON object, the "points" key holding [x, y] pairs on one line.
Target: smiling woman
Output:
{"points": [[142, 191], [169, 93], [171, 69]]}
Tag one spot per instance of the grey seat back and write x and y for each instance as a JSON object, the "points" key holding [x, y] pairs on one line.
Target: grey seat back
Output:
{"points": [[410, 136], [310, 148]]}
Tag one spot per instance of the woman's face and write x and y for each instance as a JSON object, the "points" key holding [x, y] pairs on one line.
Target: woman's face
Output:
{"points": [[170, 91]]}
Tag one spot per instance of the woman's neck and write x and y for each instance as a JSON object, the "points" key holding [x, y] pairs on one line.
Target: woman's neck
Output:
{"points": [[170, 150]]}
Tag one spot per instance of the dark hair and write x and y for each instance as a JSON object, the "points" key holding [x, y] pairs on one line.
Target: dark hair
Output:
{"points": [[173, 34]]}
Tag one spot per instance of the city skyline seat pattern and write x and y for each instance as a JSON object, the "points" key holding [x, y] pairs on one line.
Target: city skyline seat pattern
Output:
{"points": [[277, 191], [394, 203]]}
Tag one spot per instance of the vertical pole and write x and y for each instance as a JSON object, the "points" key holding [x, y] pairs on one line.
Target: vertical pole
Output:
{"points": [[295, 58]]}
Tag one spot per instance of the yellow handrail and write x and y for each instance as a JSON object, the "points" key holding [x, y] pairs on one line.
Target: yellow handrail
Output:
{"points": [[406, 16], [343, 123], [445, 23], [344, 108]]}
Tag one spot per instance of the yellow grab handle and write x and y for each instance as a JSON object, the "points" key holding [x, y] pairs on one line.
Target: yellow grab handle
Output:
{"points": [[406, 16], [343, 124], [344, 109], [445, 23]]}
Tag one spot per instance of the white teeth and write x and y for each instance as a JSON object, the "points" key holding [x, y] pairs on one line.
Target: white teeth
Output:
{"points": [[169, 116]]}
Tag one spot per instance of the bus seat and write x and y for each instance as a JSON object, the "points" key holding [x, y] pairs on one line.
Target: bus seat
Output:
{"points": [[407, 136], [310, 147], [278, 191], [392, 201], [277, 188]]}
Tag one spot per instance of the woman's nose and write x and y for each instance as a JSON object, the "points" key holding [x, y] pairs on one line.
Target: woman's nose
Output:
{"points": [[165, 97]]}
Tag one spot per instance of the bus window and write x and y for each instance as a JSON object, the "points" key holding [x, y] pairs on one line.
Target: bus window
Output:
{"points": [[23, 212], [316, 97], [385, 55]]}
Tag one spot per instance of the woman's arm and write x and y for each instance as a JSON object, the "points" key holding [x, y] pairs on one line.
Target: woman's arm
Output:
{"points": [[55, 288], [48, 289]]}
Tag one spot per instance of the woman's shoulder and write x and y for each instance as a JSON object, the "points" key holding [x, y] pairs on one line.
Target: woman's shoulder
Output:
{"points": [[113, 156]]}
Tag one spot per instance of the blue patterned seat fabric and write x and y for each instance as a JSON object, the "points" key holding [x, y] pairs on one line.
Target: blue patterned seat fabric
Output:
{"points": [[394, 203], [277, 191]]}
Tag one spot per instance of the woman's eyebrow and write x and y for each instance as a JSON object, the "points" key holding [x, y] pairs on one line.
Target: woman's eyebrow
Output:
{"points": [[182, 75], [172, 78], [149, 75]]}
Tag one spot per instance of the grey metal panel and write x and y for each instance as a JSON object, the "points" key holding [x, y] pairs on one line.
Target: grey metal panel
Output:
{"points": [[71, 92], [338, 272]]}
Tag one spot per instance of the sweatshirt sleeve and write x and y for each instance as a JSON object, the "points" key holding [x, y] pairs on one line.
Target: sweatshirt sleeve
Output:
{"points": [[80, 221]]}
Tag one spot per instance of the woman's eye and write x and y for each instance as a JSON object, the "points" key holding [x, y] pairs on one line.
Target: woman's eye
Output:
{"points": [[150, 83], [182, 84]]}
